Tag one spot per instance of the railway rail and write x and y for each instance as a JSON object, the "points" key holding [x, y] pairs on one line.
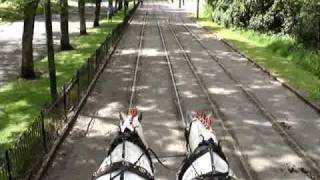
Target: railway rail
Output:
{"points": [[252, 97], [214, 106], [204, 90], [136, 69]]}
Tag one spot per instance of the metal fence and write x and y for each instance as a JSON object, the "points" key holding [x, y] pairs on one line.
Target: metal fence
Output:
{"points": [[27, 153]]}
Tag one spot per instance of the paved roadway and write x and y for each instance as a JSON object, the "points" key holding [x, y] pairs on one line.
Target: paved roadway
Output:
{"points": [[11, 38], [265, 153]]}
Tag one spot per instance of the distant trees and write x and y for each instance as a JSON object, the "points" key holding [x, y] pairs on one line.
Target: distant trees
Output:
{"points": [[300, 18], [64, 26], [120, 4], [97, 13], [81, 7], [50, 50], [29, 11]]}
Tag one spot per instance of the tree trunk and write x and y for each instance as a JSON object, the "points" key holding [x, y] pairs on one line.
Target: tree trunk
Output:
{"points": [[97, 14], [64, 26], [110, 9], [51, 63], [120, 4], [81, 6], [27, 70], [116, 6]]}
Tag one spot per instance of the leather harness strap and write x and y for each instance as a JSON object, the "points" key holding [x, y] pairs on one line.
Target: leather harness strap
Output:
{"points": [[122, 166], [127, 166], [204, 147]]}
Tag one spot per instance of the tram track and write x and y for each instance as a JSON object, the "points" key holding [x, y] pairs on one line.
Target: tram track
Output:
{"points": [[292, 144], [313, 165], [205, 91], [137, 63]]}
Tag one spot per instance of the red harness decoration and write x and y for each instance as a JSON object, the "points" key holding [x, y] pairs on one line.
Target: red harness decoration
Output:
{"points": [[133, 112], [205, 119]]}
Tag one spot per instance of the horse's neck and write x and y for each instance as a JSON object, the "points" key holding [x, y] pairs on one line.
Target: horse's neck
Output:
{"points": [[198, 134], [139, 131], [208, 162]]}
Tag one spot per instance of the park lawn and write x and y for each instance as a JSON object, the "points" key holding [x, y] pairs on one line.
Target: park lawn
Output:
{"points": [[22, 100], [275, 53], [10, 11]]}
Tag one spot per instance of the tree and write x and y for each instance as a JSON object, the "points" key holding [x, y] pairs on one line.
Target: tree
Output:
{"points": [[29, 12], [51, 63], [81, 7], [110, 7], [97, 13], [64, 26], [120, 4]]}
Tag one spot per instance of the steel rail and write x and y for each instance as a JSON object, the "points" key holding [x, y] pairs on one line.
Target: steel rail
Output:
{"points": [[134, 82], [178, 103], [213, 105], [315, 168]]}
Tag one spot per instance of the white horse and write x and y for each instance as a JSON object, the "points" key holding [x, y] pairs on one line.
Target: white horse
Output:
{"points": [[205, 159], [128, 157]]}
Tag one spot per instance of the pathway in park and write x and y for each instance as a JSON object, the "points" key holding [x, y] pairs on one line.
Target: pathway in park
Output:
{"points": [[11, 37], [267, 133]]}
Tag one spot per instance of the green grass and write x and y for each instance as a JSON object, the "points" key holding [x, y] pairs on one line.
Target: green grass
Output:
{"points": [[279, 54], [10, 11], [21, 100]]}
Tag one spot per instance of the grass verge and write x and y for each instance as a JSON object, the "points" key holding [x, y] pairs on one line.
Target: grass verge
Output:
{"points": [[21, 100], [279, 54]]}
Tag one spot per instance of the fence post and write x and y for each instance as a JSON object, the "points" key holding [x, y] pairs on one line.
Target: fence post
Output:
{"points": [[78, 86], [198, 4], [88, 68], [8, 165], [43, 131], [65, 101], [96, 59]]}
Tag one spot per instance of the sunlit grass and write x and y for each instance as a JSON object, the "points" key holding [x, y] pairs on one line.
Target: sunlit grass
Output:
{"points": [[279, 54], [21, 100], [11, 11]]}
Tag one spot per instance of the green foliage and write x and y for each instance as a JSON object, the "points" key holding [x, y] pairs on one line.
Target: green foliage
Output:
{"points": [[307, 30], [299, 18], [12, 10]]}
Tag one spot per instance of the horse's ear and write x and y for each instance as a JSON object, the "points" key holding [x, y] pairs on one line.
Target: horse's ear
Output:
{"points": [[140, 117], [121, 116]]}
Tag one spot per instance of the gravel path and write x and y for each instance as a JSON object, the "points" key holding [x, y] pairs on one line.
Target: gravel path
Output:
{"points": [[265, 151], [11, 38]]}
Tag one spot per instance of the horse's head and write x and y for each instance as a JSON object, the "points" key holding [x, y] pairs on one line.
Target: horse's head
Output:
{"points": [[202, 117], [199, 129], [206, 159], [130, 121]]}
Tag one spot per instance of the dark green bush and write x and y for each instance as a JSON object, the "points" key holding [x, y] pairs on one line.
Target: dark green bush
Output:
{"points": [[299, 18]]}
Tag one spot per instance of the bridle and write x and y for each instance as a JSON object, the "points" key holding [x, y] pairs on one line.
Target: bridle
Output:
{"points": [[129, 135], [123, 166], [206, 146]]}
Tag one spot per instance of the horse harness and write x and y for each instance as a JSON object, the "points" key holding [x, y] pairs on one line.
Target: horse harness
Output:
{"points": [[124, 165], [206, 146]]}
